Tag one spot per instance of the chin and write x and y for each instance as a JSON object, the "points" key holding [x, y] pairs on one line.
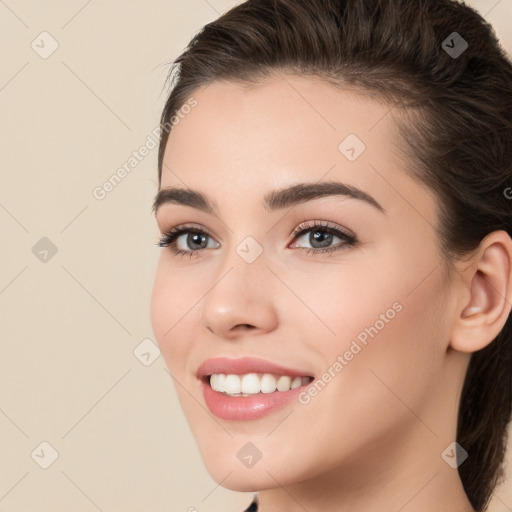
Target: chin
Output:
{"points": [[264, 474], [242, 479]]}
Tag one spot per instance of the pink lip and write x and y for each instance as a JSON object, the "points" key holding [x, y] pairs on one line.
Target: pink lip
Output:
{"points": [[245, 365], [245, 407]]}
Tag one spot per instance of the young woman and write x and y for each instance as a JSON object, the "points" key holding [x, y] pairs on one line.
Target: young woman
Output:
{"points": [[333, 299]]}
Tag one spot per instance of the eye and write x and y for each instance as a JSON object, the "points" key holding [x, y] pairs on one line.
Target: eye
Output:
{"points": [[195, 236], [321, 235]]}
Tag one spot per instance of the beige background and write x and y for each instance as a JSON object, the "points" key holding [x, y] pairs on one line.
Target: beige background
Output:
{"points": [[70, 324]]}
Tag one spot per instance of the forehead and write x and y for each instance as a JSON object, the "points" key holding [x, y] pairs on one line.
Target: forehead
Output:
{"points": [[281, 109], [275, 123]]}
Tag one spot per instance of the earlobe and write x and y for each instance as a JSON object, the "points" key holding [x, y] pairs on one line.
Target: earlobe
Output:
{"points": [[489, 282]]}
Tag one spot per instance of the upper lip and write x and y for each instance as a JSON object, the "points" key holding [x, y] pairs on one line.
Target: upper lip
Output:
{"points": [[245, 365]]}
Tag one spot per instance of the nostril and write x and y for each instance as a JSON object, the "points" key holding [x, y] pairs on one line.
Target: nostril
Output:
{"points": [[244, 326]]}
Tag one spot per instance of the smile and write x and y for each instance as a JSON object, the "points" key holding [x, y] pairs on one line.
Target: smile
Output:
{"points": [[249, 388]]}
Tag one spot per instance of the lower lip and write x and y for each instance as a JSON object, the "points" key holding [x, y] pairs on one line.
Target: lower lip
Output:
{"points": [[246, 408]]}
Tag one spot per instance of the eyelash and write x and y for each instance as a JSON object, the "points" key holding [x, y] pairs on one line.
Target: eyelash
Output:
{"points": [[169, 238]]}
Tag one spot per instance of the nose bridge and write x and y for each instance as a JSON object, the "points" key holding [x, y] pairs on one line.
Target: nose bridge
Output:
{"points": [[239, 294], [241, 271]]}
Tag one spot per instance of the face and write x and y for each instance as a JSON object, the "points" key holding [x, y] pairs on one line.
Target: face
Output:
{"points": [[343, 288]]}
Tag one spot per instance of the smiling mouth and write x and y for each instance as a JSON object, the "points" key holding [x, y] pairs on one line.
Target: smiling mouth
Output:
{"points": [[251, 384]]}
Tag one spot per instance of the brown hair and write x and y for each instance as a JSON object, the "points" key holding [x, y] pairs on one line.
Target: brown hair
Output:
{"points": [[454, 119]]}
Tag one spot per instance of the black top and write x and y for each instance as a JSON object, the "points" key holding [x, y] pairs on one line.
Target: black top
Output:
{"points": [[253, 507]]}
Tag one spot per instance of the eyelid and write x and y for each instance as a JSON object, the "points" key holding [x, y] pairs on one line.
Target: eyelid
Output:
{"points": [[189, 226], [310, 224]]}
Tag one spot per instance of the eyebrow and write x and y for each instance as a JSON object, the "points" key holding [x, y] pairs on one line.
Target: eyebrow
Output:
{"points": [[274, 200]]}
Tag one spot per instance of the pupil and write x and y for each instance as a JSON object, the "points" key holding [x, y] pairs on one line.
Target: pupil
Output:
{"points": [[194, 236], [322, 237]]}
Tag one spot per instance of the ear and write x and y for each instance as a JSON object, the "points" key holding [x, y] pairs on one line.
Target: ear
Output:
{"points": [[487, 281]]}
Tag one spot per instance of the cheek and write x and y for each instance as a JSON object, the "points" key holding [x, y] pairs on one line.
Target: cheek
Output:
{"points": [[392, 340], [171, 311], [392, 304], [160, 302]]}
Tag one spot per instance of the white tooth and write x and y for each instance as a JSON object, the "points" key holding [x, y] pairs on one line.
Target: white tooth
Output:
{"points": [[268, 383], [283, 383], [250, 383], [296, 382], [217, 381], [232, 384]]}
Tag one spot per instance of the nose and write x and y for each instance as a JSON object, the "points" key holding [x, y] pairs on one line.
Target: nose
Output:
{"points": [[241, 299]]}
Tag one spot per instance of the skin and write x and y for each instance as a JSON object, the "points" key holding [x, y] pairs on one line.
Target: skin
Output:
{"points": [[375, 434]]}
